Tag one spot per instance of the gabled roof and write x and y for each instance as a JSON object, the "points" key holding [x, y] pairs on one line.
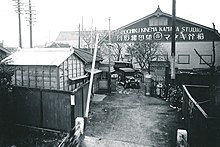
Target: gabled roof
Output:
{"points": [[127, 69], [39, 56], [5, 50], [157, 13], [47, 56], [67, 36], [57, 45], [86, 56], [72, 37]]}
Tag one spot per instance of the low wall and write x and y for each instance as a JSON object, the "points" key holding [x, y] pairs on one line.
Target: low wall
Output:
{"points": [[51, 109], [203, 129], [42, 108]]}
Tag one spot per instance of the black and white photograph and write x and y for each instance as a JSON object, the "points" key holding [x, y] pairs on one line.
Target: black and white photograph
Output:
{"points": [[95, 73]]}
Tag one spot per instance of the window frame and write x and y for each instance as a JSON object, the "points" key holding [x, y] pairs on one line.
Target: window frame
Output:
{"points": [[158, 21], [184, 55], [202, 62]]}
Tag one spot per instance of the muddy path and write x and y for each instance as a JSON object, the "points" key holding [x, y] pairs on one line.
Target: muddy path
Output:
{"points": [[129, 117]]}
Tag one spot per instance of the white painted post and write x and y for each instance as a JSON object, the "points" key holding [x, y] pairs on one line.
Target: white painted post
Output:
{"points": [[182, 138], [80, 121], [91, 76]]}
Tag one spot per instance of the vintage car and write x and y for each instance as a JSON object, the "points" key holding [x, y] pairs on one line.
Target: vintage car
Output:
{"points": [[127, 77], [131, 82]]}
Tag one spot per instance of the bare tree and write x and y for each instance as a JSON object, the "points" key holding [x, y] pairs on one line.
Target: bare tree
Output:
{"points": [[89, 37], [116, 52], [144, 53]]}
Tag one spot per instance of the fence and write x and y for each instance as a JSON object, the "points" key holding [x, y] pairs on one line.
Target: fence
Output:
{"points": [[193, 79], [203, 130], [51, 109]]}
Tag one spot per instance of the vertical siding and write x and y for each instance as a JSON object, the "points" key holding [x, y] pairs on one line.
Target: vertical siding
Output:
{"points": [[79, 102], [56, 110], [42, 108], [66, 76], [27, 106], [49, 108]]}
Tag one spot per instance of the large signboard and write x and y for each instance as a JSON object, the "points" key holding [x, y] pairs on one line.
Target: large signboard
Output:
{"points": [[161, 33]]}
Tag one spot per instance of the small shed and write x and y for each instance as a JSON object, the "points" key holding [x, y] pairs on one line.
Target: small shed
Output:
{"points": [[49, 68], [51, 84], [104, 77]]}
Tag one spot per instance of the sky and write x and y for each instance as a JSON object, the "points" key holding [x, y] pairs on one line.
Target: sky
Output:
{"points": [[53, 16]]}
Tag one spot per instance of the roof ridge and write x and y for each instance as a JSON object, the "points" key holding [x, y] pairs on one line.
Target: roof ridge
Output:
{"points": [[160, 12], [5, 50], [87, 52]]}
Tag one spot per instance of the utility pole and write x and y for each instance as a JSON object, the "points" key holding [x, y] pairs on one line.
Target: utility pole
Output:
{"points": [[79, 38], [109, 57], [30, 22], [82, 23], [19, 9], [91, 41], [30, 19], [173, 43]]}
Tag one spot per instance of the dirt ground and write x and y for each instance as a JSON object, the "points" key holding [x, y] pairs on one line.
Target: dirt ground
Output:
{"points": [[128, 118], [15, 136]]}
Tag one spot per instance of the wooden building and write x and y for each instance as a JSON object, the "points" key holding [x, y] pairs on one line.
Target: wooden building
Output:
{"points": [[51, 86], [50, 68]]}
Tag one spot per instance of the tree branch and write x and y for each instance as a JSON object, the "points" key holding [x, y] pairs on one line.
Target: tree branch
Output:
{"points": [[202, 58], [213, 47]]}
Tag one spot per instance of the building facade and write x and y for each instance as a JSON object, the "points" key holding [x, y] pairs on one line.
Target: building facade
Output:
{"points": [[189, 36], [50, 68]]}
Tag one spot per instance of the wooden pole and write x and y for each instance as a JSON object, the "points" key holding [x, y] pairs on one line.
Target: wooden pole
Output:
{"points": [[173, 50], [19, 23], [109, 57], [91, 33], [91, 77], [79, 38], [30, 23]]}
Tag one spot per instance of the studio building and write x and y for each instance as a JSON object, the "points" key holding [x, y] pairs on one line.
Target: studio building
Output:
{"points": [[188, 35]]}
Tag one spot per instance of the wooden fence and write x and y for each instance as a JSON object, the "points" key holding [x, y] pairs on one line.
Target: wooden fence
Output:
{"points": [[192, 79], [203, 130], [53, 109]]}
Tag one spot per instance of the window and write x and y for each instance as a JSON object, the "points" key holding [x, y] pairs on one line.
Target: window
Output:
{"points": [[158, 21], [103, 76], [183, 59], [207, 58]]}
